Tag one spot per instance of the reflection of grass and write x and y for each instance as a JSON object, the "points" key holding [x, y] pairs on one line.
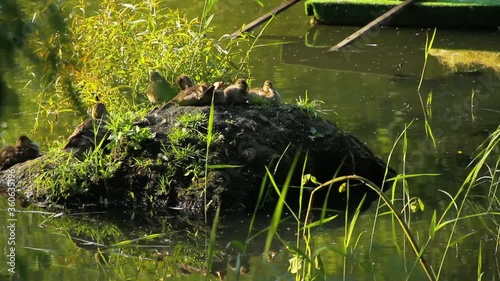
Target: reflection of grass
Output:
{"points": [[458, 60], [481, 175], [307, 263]]}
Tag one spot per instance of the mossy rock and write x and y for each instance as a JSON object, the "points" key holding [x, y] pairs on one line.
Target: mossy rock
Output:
{"points": [[167, 170]]}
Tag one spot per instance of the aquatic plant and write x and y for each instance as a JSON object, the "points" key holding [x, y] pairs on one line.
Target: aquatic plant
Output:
{"points": [[307, 262], [311, 107], [427, 109], [428, 47]]}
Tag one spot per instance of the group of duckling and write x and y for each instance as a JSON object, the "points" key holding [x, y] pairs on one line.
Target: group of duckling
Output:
{"points": [[25, 149], [202, 94], [157, 91]]}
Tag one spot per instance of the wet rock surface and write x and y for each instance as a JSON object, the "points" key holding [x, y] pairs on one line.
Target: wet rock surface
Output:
{"points": [[249, 138]]}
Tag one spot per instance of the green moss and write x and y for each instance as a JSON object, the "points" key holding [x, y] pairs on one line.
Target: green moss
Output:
{"points": [[181, 161]]}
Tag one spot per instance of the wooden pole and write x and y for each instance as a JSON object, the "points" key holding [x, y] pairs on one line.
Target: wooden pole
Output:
{"points": [[265, 17], [369, 26]]}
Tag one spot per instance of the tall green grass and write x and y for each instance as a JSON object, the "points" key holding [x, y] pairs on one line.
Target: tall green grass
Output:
{"points": [[486, 153], [427, 108], [428, 46], [306, 262]]}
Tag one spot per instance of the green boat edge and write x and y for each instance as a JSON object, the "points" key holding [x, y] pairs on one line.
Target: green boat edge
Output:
{"points": [[471, 14]]}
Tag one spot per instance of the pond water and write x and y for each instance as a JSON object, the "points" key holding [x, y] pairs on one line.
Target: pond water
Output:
{"points": [[369, 90]]}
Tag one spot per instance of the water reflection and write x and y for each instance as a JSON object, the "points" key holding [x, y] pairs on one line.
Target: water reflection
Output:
{"points": [[395, 52], [116, 244]]}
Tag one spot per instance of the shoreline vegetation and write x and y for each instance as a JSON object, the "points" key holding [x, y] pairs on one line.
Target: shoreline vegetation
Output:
{"points": [[108, 56], [82, 58]]}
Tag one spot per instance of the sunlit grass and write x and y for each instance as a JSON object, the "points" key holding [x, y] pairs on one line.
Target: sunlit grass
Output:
{"points": [[311, 107], [111, 52]]}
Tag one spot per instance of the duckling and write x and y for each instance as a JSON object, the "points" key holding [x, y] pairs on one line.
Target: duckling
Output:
{"points": [[99, 109], [27, 148], [7, 157], [237, 93], [244, 266], [158, 89], [84, 137], [200, 95], [84, 134], [184, 82], [216, 91], [24, 150], [266, 94], [218, 269]]}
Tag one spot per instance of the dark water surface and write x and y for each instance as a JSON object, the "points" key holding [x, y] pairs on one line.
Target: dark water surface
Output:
{"points": [[369, 90]]}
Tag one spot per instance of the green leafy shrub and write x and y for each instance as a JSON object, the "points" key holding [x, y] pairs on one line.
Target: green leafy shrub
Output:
{"points": [[112, 52], [123, 129]]}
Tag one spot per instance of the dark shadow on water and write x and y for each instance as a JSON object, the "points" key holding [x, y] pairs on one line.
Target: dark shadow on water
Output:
{"points": [[9, 100]]}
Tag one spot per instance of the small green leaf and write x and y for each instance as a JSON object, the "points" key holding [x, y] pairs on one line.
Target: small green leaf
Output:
{"points": [[343, 187], [432, 226], [421, 204], [309, 178], [314, 180]]}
